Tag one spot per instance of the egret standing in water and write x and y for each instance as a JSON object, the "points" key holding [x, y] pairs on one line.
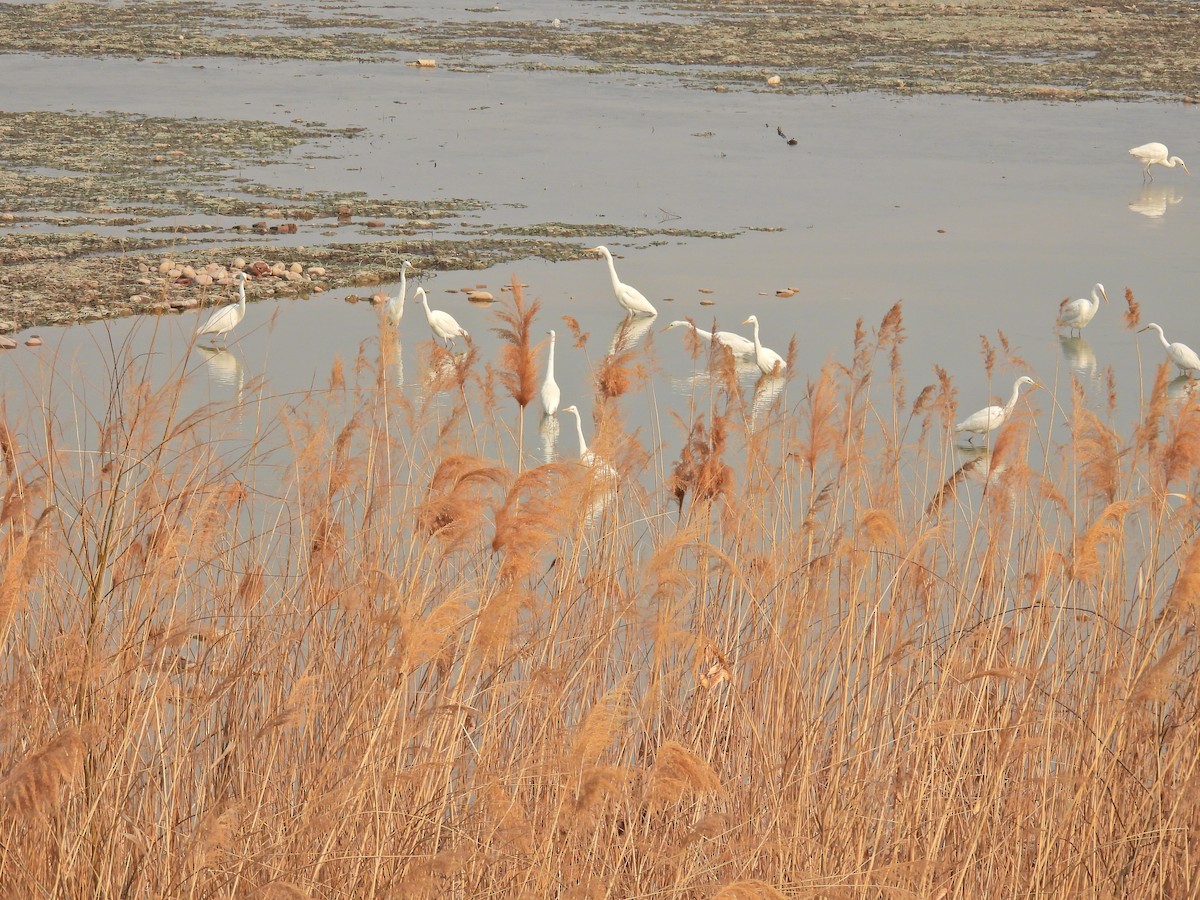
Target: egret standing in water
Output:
{"points": [[1181, 354], [550, 391], [1078, 313], [442, 324], [1155, 154], [741, 347], [768, 360], [586, 456], [990, 418], [629, 297], [395, 306], [225, 319]]}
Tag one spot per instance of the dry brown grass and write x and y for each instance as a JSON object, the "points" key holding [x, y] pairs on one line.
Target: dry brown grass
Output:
{"points": [[371, 653]]}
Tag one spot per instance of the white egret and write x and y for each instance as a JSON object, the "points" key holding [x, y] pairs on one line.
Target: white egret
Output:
{"points": [[586, 456], [741, 347], [395, 306], [550, 391], [442, 324], [990, 418], [225, 319], [1155, 154], [629, 297], [768, 360], [1181, 354], [1078, 313]]}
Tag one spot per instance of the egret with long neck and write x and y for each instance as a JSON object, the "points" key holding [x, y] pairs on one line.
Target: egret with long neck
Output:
{"points": [[741, 347], [768, 360], [225, 319], [1182, 355], [550, 391], [1078, 313], [395, 306], [1155, 154], [629, 297], [990, 418]]}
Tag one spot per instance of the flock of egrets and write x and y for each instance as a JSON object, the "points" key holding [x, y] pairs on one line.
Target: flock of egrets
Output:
{"points": [[1074, 315]]}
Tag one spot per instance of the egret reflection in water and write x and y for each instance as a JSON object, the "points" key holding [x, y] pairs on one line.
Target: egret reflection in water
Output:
{"points": [[224, 368], [1181, 386], [548, 429], [1153, 199], [765, 392], [629, 332], [1079, 355]]}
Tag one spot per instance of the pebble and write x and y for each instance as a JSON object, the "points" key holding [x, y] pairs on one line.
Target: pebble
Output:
{"points": [[239, 263], [7, 343], [33, 341], [774, 80], [166, 265], [480, 297], [203, 278], [316, 271], [185, 303], [296, 267]]}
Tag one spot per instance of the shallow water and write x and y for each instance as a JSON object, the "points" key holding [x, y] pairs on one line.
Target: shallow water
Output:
{"points": [[980, 216]]}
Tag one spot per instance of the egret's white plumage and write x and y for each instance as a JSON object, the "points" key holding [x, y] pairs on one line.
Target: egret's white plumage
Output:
{"points": [[1155, 154], [550, 392], [225, 319], [740, 346], [442, 324], [586, 456], [990, 418], [629, 297], [1078, 313], [1181, 354], [768, 360], [395, 306]]}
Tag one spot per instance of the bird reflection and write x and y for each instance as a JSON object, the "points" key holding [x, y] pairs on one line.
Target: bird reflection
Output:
{"points": [[744, 369], [224, 368], [1153, 199], [548, 429], [628, 332], [1079, 356], [765, 392], [1181, 386]]}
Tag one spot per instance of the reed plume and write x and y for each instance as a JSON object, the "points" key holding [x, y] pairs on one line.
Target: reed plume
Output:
{"points": [[518, 366]]}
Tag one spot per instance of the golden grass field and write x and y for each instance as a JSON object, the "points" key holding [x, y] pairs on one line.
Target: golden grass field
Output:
{"points": [[378, 651]]}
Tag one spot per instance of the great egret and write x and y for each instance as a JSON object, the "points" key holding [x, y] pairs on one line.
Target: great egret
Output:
{"points": [[225, 319], [990, 418], [768, 360], [629, 297], [586, 456], [395, 306], [442, 324], [1155, 154], [1181, 354], [740, 346], [1078, 313], [550, 391]]}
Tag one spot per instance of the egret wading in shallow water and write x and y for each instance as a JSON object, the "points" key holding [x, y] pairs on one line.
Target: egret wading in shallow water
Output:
{"points": [[629, 297], [1181, 354], [1155, 154], [586, 456], [741, 347], [225, 319], [1078, 313], [768, 360], [990, 418], [395, 306], [550, 391], [442, 324]]}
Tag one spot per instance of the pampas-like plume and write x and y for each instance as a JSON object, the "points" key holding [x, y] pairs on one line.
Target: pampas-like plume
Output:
{"points": [[34, 784], [455, 502], [678, 772], [1185, 593], [1097, 449], [701, 468], [518, 369], [1133, 314], [598, 728], [531, 516], [822, 429], [1154, 684], [1108, 527]]}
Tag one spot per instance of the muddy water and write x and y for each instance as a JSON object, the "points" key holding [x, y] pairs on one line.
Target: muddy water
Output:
{"points": [[980, 216]]}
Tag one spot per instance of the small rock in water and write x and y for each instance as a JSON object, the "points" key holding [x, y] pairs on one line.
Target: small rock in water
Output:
{"points": [[33, 341], [7, 343], [480, 297], [774, 80]]}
